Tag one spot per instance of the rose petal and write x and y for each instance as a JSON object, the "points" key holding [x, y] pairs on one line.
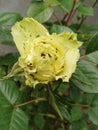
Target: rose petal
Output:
{"points": [[24, 32]]}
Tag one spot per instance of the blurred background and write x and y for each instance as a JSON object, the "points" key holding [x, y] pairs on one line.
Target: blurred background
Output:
{"points": [[19, 6]]}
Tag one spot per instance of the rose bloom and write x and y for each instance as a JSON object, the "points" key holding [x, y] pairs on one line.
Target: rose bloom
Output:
{"points": [[44, 57]]}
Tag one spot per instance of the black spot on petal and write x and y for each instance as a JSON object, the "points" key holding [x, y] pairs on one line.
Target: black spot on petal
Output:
{"points": [[43, 55], [49, 55], [44, 42], [37, 35]]}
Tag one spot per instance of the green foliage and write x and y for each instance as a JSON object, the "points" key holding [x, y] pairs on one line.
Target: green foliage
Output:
{"points": [[76, 113], [62, 87], [39, 12], [66, 5], [57, 105], [74, 93], [13, 119], [8, 18], [93, 0], [93, 110], [86, 77], [93, 57], [5, 36], [85, 10], [93, 44], [51, 2], [39, 121], [8, 92], [80, 125], [9, 59], [60, 129], [59, 28]]}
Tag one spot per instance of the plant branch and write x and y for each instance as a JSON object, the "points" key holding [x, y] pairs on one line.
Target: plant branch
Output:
{"points": [[44, 114], [57, 18], [83, 105], [71, 12], [95, 3], [80, 105], [31, 101], [64, 17], [81, 22]]}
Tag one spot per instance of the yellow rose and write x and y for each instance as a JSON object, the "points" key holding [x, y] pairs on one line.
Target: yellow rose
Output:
{"points": [[45, 57]]}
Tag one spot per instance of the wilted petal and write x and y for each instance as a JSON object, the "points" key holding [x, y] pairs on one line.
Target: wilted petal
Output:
{"points": [[24, 32]]}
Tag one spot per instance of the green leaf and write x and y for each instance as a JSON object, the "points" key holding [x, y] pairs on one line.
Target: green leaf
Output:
{"points": [[31, 128], [38, 91], [80, 125], [23, 94], [51, 2], [86, 10], [93, 44], [13, 119], [74, 93], [86, 77], [5, 36], [82, 0], [62, 88], [93, 127], [76, 113], [59, 29], [88, 97], [60, 129], [56, 84], [93, 110], [9, 59], [44, 107], [66, 4], [93, 0], [40, 12], [8, 18], [8, 92], [94, 102], [93, 28], [93, 57], [93, 115], [64, 112], [53, 102], [39, 121], [2, 71], [48, 127], [87, 29]]}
